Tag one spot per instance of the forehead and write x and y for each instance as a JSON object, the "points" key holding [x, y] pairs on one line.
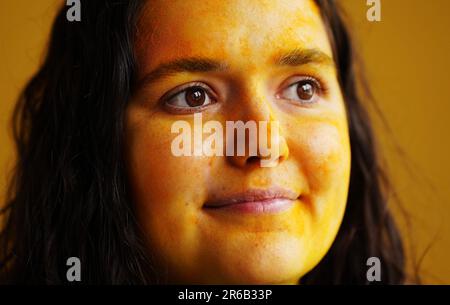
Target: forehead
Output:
{"points": [[236, 31]]}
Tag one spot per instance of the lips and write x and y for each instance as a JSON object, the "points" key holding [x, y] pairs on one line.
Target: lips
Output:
{"points": [[270, 200]]}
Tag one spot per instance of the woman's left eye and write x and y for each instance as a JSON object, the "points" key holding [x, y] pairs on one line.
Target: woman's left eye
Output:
{"points": [[304, 91]]}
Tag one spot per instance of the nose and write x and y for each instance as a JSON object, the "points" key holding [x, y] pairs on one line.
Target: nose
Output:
{"points": [[273, 157], [258, 139]]}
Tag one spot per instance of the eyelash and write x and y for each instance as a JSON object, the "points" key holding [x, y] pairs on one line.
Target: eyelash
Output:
{"points": [[323, 89]]}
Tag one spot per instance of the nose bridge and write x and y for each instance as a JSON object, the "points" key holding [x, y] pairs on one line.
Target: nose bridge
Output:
{"points": [[254, 107], [252, 99]]}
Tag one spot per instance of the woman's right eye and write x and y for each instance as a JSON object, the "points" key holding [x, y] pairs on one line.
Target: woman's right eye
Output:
{"points": [[192, 99]]}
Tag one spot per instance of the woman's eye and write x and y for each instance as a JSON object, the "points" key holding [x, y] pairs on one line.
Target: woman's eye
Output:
{"points": [[305, 91], [190, 98]]}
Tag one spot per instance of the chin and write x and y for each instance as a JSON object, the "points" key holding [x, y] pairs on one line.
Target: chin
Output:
{"points": [[273, 264], [267, 274]]}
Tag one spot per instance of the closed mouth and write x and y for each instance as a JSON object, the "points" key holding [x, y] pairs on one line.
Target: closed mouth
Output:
{"points": [[255, 200]]}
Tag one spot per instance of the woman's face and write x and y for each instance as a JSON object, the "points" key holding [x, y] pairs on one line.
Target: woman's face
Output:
{"points": [[227, 219]]}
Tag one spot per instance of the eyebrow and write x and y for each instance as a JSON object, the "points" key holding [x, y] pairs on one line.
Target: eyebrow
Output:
{"points": [[192, 65], [295, 57], [299, 57]]}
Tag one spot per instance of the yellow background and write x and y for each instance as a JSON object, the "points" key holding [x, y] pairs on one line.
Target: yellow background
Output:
{"points": [[407, 61]]}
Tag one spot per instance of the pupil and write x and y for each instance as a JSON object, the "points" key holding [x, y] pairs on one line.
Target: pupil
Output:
{"points": [[195, 97], [306, 91]]}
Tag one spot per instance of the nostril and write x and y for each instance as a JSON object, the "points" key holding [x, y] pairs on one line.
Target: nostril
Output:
{"points": [[252, 160], [256, 160]]}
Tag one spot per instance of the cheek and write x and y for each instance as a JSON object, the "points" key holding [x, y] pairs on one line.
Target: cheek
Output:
{"points": [[156, 173], [323, 153], [325, 156], [167, 190]]}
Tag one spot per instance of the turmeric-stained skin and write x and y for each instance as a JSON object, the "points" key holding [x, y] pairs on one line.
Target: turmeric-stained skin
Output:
{"points": [[192, 244]]}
